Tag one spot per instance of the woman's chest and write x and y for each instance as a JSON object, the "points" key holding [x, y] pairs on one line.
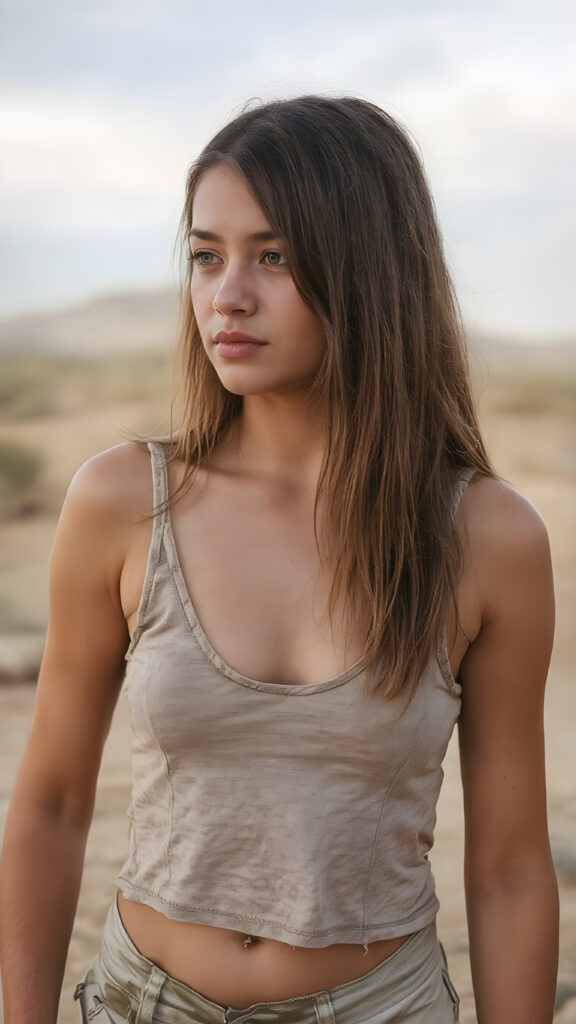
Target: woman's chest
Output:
{"points": [[249, 562], [248, 559]]}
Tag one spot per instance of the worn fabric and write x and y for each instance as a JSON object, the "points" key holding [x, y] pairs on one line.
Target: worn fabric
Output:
{"points": [[300, 813], [412, 985]]}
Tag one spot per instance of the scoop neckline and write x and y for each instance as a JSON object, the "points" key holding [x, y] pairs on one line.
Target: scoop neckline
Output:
{"points": [[210, 652]]}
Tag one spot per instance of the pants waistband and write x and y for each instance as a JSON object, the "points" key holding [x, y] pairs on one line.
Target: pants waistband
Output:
{"points": [[129, 978]]}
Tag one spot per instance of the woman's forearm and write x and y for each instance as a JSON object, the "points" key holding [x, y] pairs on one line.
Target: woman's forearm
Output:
{"points": [[513, 927], [40, 877]]}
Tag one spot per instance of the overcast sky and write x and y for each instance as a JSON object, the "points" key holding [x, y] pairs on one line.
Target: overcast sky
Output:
{"points": [[105, 104]]}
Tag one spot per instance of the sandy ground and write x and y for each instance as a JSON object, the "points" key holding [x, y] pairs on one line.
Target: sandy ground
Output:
{"points": [[534, 448]]}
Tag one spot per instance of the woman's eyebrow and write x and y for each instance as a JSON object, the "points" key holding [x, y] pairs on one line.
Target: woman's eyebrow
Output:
{"points": [[210, 236]]}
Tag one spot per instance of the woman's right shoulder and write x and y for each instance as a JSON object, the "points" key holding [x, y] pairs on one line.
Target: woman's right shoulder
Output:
{"points": [[115, 482], [109, 502]]}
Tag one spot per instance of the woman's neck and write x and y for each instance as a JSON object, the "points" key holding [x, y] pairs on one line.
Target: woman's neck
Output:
{"points": [[279, 439]]}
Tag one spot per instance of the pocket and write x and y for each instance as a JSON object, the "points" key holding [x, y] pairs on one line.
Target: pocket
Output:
{"points": [[92, 1004], [454, 998]]}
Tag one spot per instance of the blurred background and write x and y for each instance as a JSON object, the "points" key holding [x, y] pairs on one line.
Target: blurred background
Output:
{"points": [[104, 106]]}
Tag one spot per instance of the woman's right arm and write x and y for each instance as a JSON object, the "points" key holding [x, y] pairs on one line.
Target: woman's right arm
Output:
{"points": [[78, 685]]}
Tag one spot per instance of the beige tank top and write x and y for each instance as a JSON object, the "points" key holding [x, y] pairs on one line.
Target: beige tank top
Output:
{"points": [[299, 813]]}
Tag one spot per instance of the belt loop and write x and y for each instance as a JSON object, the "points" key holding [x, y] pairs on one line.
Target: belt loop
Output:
{"points": [[323, 1009], [149, 996]]}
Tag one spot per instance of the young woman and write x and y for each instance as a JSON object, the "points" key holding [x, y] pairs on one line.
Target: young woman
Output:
{"points": [[310, 582]]}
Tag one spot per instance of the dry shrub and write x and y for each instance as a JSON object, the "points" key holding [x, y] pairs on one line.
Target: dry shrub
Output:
{"points": [[20, 471]]}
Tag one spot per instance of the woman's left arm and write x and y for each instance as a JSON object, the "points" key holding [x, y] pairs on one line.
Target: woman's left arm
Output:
{"points": [[511, 889]]}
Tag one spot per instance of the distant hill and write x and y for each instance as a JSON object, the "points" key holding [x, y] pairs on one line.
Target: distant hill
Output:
{"points": [[503, 351], [147, 321], [113, 324]]}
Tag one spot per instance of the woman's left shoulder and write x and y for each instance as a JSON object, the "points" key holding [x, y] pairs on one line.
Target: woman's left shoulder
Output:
{"points": [[495, 519], [506, 552]]}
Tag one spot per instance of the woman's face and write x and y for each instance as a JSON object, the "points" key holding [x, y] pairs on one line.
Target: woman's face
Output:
{"points": [[242, 288]]}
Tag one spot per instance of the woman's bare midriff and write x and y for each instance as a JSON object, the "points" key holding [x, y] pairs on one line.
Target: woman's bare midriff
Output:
{"points": [[220, 965]]}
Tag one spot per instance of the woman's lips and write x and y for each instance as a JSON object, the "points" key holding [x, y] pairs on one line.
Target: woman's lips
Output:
{"points": [[232, 344]]}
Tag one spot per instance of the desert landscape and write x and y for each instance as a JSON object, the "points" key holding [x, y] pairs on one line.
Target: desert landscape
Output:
{"points": [[72, 386]]}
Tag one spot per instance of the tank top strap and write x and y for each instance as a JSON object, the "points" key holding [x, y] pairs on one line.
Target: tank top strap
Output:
{"points": [[160, 498], [464, 477], [159, 478], [160, 512]]}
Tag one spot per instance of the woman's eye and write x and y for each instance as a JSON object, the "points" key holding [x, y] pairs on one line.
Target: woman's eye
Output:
{"points": [[202, 257], [275, 259]]}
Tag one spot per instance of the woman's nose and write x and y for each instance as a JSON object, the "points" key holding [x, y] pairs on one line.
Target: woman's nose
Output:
{"points": [[234, 293]]}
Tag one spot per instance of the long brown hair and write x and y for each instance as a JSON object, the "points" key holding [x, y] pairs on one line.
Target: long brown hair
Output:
{"points": [[340, 181]]}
